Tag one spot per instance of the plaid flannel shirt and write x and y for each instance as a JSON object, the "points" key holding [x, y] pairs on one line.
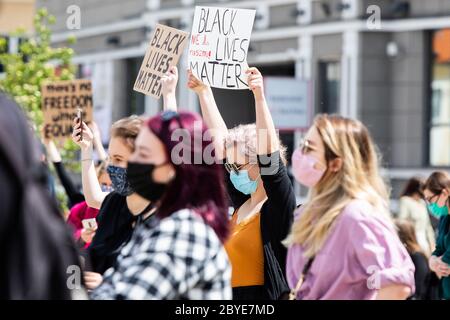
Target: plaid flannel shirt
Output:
{"points": [[179, 257]]}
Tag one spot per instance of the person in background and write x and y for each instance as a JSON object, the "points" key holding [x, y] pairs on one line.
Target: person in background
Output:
{"points": [[179, 254], [75, 196], [120, 208], [343, 244], [260, 190], [437, 196], [413, 208], [422, 274], [79, 210], [82, 211], [36, 245]]}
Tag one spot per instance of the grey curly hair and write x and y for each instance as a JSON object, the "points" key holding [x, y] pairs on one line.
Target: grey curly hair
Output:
{"points": [[244, 137]]}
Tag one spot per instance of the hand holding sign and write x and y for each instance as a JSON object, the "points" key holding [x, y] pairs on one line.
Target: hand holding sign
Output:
{"points": [[195, 84], [219, 44], [255, 82], [169, 81]]}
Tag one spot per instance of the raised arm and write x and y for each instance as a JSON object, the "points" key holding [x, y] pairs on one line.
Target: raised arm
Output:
{"points": [[54, 156], [169, 89], [210, 112], [91, 187], [98, 145], [266, 134]]}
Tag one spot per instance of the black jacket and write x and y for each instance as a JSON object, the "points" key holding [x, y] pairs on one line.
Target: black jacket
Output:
{"points": [[276, 220]]}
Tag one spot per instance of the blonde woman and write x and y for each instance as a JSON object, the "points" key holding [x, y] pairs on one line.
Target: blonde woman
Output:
{"points": [[343, 241]]}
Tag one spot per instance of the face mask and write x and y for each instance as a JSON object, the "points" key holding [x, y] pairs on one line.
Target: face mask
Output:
{"points": [[141, 180], [303, 168], [437, 211], [119, 180], [242, 182]]}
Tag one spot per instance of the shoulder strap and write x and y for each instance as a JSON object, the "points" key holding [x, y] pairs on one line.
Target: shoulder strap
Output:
{"points": [[294, 291]]}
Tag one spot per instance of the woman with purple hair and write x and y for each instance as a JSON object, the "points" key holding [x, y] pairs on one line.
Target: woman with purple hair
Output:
{"points": [[179, 254]]}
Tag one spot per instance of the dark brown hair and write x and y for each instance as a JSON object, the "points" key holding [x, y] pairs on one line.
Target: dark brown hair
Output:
{"points": [[437, 182], [413, 186], [407, 235]]}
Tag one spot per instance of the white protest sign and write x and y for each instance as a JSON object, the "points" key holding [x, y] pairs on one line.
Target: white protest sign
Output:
{"points": [[219, 45], [289, 100]]}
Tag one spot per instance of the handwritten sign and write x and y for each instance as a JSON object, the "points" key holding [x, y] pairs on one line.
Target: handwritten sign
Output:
{"points": [[60, 102], [165, 49], [219, 45]]}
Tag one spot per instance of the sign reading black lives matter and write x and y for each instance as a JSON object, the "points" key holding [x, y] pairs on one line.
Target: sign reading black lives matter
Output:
{"points": [[165, 49], [60, 103], [219, 45]]}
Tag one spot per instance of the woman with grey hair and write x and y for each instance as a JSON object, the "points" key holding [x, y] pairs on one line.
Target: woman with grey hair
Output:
{"points": [[260, 190]]}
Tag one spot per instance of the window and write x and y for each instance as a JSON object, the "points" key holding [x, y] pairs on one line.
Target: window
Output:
{"points": [[440, 100], [329, 87]]}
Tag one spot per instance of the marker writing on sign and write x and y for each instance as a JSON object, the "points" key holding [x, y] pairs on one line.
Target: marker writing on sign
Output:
{"points": [[221, 23], [214, 72], [171, 42], [165, 47]]}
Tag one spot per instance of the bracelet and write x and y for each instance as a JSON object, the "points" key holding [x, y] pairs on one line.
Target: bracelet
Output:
{"points": [[86, 159]]}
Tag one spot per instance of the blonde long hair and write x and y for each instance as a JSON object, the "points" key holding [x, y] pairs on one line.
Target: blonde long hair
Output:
{"points": [[358, 178]]}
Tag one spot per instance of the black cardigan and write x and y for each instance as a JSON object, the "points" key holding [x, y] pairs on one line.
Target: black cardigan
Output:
{"points": [[276, 219]]}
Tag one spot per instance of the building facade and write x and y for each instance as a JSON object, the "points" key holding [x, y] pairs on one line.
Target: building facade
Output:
{"points": [[385, 62], [16, 14]]}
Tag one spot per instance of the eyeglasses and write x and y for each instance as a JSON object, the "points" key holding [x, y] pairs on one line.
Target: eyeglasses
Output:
{"points": [[234, 167], [305, 146]]}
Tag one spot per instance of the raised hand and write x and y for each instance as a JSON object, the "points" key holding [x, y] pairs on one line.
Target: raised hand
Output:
{"points": [[195, 84], [255, 82], [88, 136], [169, 81]]}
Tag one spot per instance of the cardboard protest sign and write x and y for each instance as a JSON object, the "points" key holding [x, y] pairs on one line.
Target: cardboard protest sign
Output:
{"points": [[60, 102], [219, 45], [165, 49]]}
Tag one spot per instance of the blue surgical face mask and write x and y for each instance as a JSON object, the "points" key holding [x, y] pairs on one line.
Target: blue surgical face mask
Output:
{"points": [[119, 180], [437, 211], [242, 182]]}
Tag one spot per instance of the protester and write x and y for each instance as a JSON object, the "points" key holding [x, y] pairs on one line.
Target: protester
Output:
{"points": [[180, 253], [413, 208], [343, 240], [118, 209], [75, 196], [437, 195], [261, 192], [82, 211], [422, 274], [37, 250], [79, 210]]}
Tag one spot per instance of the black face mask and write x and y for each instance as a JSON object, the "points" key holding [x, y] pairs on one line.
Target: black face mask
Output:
{"points": [[140, 177]]}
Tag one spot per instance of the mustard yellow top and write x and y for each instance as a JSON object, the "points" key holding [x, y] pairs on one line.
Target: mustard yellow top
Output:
{"points": [[245, 251]]}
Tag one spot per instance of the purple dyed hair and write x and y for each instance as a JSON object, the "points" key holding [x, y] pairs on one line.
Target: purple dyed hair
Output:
{"points": [[199, 187]]}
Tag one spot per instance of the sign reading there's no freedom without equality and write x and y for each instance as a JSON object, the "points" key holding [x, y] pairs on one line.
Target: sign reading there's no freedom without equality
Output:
{"points": [[164, 51], [219, 45], [60, 103]]}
